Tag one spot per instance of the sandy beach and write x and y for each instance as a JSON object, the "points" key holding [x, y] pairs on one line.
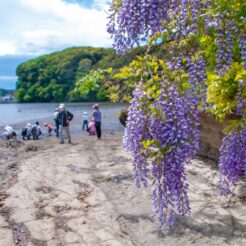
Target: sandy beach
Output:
{"points": [[82, 194]]}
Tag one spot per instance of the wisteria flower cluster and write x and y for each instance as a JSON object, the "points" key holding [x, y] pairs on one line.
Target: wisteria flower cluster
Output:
{"points": [[135, 20], [162, 131], [242, 45], [225, 35], [177, 137], [232, 161], [172, 141], [136, 132]]}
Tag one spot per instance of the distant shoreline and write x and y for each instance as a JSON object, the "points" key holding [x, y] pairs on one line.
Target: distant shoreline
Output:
{"points": [[8, 102], [110, 121], [16, 102]]}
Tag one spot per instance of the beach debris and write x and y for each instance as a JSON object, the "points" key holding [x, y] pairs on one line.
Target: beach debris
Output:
{"points": [[44, 189], [120, 178], [61, 224], [59, 209], [13, 143], [31, 148], [82, 195], [81, 184], [78, 169], [20, 231], [123, 116], [21, 234], [3, 196], [240, 191], [99, 179], [12, 166]]}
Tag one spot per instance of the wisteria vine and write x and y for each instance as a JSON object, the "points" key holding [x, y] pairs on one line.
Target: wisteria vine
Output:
{"points": [[162, 132]]}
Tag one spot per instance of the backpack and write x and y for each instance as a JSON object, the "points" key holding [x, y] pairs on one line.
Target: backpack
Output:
{"points": [[24, 132], [34, 130], [55, 115]]}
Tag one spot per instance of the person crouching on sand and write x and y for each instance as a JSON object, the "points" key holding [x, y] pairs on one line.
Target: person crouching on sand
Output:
{"points": [[9, 133], [36, 131], [64, 118], [39, 130], [50, 128], [27, 131]]}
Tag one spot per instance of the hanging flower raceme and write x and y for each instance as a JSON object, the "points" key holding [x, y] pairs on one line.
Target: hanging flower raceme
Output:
{"points": [[242, 45], [241, 101], [176, 136], [136, 132], [133, 21], [187, 17], [232, 161], [197, 77]]}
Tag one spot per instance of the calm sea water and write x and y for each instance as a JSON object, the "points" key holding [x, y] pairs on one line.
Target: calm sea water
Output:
{"points": [[19, 113]]}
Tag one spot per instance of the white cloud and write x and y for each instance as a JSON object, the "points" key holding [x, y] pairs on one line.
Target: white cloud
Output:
{"points": [[50, 25], [7, 48], [4, 78]]}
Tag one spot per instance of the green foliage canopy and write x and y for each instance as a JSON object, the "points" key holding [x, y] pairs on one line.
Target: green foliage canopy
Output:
{"points": [[53, 77]]}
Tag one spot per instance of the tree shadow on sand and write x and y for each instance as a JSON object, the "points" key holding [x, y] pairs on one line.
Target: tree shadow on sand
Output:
{"points": [[209, 225]]}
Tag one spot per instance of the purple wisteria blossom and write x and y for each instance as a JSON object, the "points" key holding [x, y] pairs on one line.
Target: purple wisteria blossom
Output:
{"points": [[135, 133], [232, 161], [174, 137], [242, 45], [177, 135], [170, 122], [135, 21]]}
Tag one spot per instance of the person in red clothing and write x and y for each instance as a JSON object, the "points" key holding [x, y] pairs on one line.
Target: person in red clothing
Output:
{"points": [[50, 128], [92, 128]]}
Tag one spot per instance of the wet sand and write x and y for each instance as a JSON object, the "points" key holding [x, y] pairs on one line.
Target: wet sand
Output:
{"points": [[82, 194]]}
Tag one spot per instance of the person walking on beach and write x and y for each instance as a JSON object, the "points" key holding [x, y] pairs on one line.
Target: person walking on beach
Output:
{"points": [[85, 120], [55, 116], [97, 116], [64, 117]]}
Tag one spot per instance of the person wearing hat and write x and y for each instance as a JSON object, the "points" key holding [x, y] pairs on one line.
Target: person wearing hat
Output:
{"points": [[97, 116], [28, 130], [85, 120], [64, 117], [38, 130], [8, 133]]}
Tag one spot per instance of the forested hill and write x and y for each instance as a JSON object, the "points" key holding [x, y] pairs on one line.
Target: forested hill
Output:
{"points": [[52, 77]]}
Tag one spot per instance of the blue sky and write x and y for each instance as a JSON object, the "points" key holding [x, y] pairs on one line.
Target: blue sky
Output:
{"points": [[87, 3], [34, 27]]}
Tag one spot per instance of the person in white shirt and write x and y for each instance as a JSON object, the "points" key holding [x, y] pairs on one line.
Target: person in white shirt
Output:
{"points": [[85, 120], [9, 133]]}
